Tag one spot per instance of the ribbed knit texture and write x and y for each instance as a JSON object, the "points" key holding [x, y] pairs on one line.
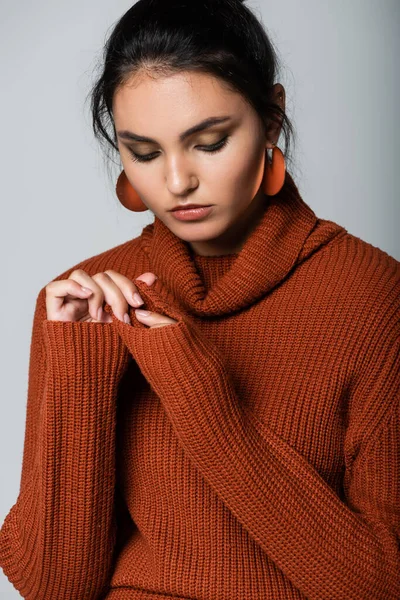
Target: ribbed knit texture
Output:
{"points": [[248, 452]]}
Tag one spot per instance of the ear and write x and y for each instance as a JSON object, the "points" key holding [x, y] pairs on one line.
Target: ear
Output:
{"points": [[274, 129]]}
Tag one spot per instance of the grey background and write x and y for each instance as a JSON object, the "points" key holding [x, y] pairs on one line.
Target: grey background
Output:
{"points": [[58, 204]]}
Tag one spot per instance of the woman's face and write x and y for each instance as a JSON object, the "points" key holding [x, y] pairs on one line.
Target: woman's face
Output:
{"points": [[183, 171]]}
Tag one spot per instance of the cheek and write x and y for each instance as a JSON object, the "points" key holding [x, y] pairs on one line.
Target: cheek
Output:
{"points": [[139, 175], [253, 171], [239, 175]]}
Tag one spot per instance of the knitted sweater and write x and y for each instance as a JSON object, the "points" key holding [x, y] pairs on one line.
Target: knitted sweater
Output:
{"points": [[249, 451]]}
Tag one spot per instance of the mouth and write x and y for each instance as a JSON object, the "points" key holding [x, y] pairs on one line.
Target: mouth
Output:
{"points": [[189, 206], [192, 214]]}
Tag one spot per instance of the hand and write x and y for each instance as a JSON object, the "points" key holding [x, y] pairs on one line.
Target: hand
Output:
{"points": [[150, 318], [66, 300], [153, 319]]}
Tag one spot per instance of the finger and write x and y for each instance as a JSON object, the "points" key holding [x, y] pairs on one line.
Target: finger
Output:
{"points": [[153, 319], [96, 300], [127, 287], [112, 294], [57, 291], [148, 278]]}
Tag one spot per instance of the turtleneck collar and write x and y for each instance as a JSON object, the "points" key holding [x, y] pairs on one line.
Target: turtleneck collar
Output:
{"points": [[287, 233]]}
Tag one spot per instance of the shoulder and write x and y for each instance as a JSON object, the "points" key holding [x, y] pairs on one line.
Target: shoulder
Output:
{"points": [[369, 300], [361, 284], [356, 287], [355, 272], [367, 273]]}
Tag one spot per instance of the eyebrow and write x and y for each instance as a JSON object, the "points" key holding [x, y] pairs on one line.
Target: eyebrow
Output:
{"points": [[129, 135]]}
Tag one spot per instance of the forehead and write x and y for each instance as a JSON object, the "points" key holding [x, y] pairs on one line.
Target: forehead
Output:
{"points": [[189, 95]]}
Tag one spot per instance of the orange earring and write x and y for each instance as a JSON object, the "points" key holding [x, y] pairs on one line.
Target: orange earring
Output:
{"points": [[274, 177], [274, 172], [127, 195]]}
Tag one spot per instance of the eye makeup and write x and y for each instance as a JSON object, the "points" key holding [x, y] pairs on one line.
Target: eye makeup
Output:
{"points": [[210, 149]]}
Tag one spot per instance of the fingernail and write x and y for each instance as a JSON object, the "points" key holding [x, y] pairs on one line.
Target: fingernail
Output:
{"points": [[142, 313], [137, 299], [127, 319], [100, 314]]}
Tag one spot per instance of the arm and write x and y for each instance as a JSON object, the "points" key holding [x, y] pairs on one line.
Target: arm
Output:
{"points": [[329, 549], [57, 540]]}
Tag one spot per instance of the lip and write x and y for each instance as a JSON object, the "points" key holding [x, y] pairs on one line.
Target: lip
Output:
{"points": [[188, 207], [192, 214]]}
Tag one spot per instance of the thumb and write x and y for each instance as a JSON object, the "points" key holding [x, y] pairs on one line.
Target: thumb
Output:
{"points": [[155, 302], [148, 278]]}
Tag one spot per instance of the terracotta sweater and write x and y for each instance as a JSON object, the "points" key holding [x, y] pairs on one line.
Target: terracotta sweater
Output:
{"points": [[250, 451]]}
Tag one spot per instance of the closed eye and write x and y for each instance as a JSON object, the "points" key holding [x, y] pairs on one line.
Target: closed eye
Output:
{"points": [[213, 148]]}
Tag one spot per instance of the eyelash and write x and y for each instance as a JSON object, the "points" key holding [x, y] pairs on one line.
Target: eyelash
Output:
{"points": [[211, 150]]}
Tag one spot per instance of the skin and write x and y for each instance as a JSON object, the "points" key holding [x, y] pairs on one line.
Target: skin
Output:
{"points": [[161, 108], [81, 297], [182, 171]]}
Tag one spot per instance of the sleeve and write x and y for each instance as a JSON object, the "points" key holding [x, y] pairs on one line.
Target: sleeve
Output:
{"points": [[58, 538], [329, 549]]}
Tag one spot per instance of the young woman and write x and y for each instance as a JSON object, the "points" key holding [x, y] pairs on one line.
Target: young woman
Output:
{"points": [[240, 439]]}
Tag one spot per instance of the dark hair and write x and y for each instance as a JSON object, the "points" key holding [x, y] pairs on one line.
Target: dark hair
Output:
{"points": [[220, 37]]}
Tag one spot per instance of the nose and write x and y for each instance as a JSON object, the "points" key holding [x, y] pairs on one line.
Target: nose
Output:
{"points": [[180, 178]]}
